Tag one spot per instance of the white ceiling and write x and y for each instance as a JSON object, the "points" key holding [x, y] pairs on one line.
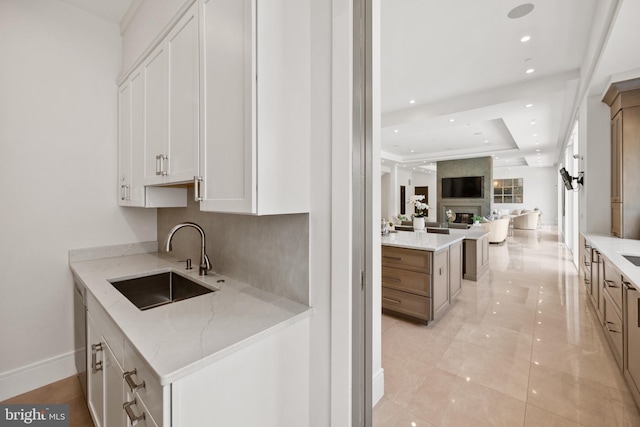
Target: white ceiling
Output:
{"points": [[463, 60]]}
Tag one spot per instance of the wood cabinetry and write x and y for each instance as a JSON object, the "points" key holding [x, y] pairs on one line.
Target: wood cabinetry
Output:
{"points": [[624, 100], [420, 283], [256, 106], [476, 257], [632, 340]]}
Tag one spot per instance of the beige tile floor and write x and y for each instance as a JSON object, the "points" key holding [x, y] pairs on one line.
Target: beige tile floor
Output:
{"points": [[521, 347]]}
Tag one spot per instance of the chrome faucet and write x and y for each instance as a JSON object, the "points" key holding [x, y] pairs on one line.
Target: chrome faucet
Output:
{"points": [[205, 265]]}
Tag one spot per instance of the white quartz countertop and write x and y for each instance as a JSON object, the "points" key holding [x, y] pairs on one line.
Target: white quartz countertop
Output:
{"points": [[180, 338], [421, 240], [613, 248], [473, 233]]}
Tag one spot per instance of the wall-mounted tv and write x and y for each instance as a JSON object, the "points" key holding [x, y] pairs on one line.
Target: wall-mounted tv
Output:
{"points": [[465, 187]]}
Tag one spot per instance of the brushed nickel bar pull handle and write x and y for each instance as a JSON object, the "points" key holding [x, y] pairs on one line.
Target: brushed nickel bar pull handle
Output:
{"points": [[612, 330], [135, 419], [197, 185], [609, 284], [123, 192], [131, 383], [95, 364], [160, 161], [392, 300]]}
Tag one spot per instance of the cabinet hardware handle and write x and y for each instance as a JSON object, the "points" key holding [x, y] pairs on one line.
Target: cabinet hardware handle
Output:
{"points": [[392, 300], [197, 184], [132, 416], [612, 330], [392, 257], [131, 383], [609, 284], [161, 167], [392, 279], [95, 364], [127, 192], [123, 192]]}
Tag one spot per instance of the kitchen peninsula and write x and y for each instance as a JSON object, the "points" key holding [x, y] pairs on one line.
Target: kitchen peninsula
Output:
{"points": [[421, 273]]}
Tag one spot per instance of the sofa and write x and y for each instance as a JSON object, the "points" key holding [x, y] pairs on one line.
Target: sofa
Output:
{"points": [[526, 220], [499, 229]]}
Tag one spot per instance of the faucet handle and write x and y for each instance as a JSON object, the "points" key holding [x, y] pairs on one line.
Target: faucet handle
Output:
{"points": [[205, 265]]}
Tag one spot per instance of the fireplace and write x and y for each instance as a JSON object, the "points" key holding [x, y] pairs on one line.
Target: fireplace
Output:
{"points": [[464, 217]]}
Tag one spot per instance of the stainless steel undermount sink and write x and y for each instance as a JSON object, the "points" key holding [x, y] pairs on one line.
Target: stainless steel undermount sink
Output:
{"points": [[158, 289], [634, 259]]}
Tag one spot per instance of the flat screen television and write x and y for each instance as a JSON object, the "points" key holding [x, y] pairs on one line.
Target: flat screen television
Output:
{"points": [[567, 179], [465, 187]]}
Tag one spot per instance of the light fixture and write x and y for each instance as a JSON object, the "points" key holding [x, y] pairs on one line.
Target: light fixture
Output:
{"points": [[413, 151], [529, 105], [532, 122], [530, 70], [396, 131], [538, 150], [413, 101], [452, 120], [525, 39], [486, 140]]}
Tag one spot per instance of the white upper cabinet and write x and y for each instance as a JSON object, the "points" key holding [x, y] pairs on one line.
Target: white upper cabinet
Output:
{"points": [[171, 104], [255, 106]]}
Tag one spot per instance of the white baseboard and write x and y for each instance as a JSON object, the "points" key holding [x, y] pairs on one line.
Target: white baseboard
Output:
{"points": [[30, 377], [378, 386]]}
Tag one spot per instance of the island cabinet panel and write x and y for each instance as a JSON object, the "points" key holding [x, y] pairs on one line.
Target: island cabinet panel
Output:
{"points": [[409, 281], [440, 281], [420, 283], [406, 259], [406, 303], [455, 269]]}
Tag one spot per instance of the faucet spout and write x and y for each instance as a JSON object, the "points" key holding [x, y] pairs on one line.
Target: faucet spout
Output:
{"points": [[205, 264]]}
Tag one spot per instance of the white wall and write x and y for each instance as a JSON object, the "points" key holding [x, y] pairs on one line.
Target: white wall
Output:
{"points": [[540, 190], [58, 174], [430, 180], [390, 203]]}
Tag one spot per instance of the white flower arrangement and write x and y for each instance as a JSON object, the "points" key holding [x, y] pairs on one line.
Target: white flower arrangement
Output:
{"points": [[419, 206], [450, 215]]}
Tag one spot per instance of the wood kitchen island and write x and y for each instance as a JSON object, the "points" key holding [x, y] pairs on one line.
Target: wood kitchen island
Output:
{"points": [[421, 273]]}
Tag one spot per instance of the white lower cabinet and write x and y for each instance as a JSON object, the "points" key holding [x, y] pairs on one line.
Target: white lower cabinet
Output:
{"points": [[121, 388]]}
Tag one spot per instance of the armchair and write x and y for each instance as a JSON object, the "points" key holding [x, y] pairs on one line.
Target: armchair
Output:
{"points": [[526, 221]]}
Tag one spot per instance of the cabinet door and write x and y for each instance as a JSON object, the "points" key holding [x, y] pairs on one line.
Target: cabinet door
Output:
{"points": [[632, 329], [485, 250], [616, 158], [95, 373], [155, 117], [124, 143], [440, 277], [228, 147], [182, 52], [114, 414], [455, 269]]}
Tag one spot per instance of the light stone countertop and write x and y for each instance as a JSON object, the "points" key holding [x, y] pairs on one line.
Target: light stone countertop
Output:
{"points": [[421, 240], [180, 338], [473, 233], [613, 248]]}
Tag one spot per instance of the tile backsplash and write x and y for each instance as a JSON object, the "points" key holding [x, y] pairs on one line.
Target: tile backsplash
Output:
{"points": [[268, 252]]}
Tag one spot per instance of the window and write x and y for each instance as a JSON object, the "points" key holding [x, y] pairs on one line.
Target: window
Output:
{"points": [[508, 190]]}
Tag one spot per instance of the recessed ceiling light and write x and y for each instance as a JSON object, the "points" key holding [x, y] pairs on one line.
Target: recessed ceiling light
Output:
{"points": [[497, 157], [413, 151], [533, 121], [404, 166], [396, 131], [538, 150], [486, 140], [525, 39], [424, 161], [535, 134], [452, 120], [530, 70], [520, 11], [537, 143], [382, 160], [529, 105], [413, 101]]}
